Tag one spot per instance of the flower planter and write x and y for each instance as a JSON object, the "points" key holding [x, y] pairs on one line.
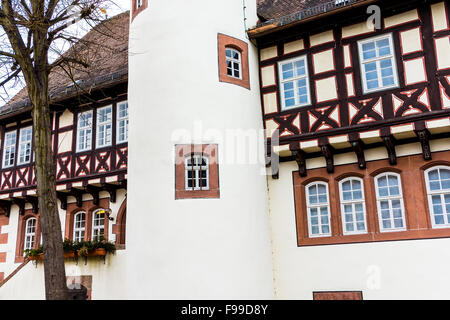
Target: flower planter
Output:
{"points": [[68, 255], [39, 257], [95, 253]]}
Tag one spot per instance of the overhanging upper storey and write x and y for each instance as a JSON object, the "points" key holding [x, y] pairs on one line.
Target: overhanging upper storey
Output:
{"points": [[343, 79]]}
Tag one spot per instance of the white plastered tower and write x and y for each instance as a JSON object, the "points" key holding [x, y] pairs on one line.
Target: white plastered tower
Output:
{"points": [[193, 248]]}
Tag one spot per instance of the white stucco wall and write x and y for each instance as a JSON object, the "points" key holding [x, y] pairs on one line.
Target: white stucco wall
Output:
{"points": [[205, 248], [415, 269]]}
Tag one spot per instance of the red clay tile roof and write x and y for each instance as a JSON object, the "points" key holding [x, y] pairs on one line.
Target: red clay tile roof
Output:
{"points": [[105, 49]]}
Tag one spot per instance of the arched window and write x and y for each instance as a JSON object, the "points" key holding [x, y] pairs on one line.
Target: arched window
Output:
{"points": [[391, 211], [197, 172], [318, 207], [30, 233], [353, 206], [438, 190], [234, 64], [98, 225], [79, 226]]}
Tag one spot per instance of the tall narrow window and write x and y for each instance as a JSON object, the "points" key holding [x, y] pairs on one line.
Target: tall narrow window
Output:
{"points": [[79, 226], [122, 122], [98, 225], [9, 149], [84, 134], [353, 207], [233, 59], [104, 126], [438, 189], [25, 145], [294, 83], [138, 4], [197, 172], [378, 68], [30, 233], [318, 207], [391, 212]]}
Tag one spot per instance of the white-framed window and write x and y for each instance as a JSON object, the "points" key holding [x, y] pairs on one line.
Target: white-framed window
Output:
{"points": [[30, 233], [139, 3], [438, 191], [9, 149], [318, 209], [104, 126], [234, 63], [197, 172], [353, 206], [25, 138], [377, 62], [391, 210], [79, 226], [122, 122], [84, 131], [294, 83], [98, 225]]}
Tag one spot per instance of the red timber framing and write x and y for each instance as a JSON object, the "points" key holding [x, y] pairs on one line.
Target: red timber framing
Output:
{"points": [[77, 173], [353, 111]]}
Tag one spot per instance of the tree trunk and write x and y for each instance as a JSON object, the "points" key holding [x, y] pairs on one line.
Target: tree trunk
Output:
{"points": [[54, 270]]}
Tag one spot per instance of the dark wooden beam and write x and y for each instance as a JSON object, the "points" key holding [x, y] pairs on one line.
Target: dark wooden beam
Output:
{"points": [[5, 205], [78, 194], [300, 158], [358, 148], [21, 204], [327, 152], [389, 143], [112, 189], [62, 196], [424, 138], [94, 192], [34, 202]]}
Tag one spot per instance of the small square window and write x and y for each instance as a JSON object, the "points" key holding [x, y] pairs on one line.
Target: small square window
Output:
{"points": [[196, 172]]}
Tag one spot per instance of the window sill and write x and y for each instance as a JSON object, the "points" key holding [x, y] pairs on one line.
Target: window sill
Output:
{"points": [[376, 237]]}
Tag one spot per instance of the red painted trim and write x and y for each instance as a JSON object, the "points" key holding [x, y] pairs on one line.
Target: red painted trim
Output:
{"points": [[276, 100], [296, 51], [446, 16], [322, 43], [441, 93], [274, 76], [350, 55], [325, 101], [277, 56], [353, 82], [421, 41], [424, 71], [435, 53], [326, 71], [403, 23]]}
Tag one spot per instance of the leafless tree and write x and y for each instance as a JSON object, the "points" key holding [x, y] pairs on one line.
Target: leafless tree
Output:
{"points": [[32, 34]]}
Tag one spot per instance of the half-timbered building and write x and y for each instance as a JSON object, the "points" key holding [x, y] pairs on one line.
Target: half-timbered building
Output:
{"points": [[357, 96], [89, 111], [346, 197]]}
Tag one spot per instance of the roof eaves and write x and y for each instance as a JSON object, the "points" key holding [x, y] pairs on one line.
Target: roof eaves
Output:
{"points": [[305, 15]]}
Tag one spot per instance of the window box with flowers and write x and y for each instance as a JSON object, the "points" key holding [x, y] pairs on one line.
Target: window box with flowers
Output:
{"points": [[85, 249]]}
